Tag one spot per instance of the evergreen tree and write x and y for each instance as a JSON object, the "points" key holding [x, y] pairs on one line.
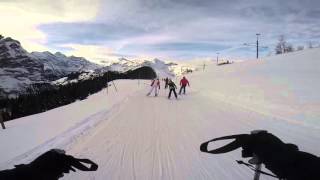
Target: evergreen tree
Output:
{"points": [[43, 97]]}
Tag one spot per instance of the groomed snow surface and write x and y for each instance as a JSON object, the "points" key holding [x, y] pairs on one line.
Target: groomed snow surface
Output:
{"points": [[132, 136]]}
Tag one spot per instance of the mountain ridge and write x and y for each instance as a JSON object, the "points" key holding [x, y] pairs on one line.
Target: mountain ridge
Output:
{"points": [[19, 68]]}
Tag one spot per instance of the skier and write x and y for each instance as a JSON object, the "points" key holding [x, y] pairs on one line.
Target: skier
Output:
{"points": [[166, 82], [172, 88], [183, 83], [155, 84]]}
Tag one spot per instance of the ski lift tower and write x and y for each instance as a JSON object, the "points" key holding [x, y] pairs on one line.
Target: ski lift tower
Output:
{"points": [[258, 34], [256, 45], [218, 58]]}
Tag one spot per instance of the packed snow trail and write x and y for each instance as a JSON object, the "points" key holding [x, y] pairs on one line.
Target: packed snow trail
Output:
{"points": [[28, 137], [153, 138], [132, 136]]}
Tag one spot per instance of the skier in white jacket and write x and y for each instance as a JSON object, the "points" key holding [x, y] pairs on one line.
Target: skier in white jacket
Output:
{"points": [[155, 86]]}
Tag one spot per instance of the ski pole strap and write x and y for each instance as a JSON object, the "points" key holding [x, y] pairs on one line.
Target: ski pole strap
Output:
{"points": [[227, 148], [78, 164], [253, 168]]}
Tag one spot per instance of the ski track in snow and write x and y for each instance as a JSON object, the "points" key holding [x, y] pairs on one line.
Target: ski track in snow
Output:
{"points": [[156, 138], [65, 139]]}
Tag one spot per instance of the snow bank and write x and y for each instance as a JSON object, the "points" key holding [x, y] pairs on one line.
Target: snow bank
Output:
{"points": [[24, 134], [282, 86]]}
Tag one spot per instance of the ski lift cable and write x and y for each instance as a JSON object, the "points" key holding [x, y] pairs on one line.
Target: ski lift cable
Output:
{"points": [[254, 45]]}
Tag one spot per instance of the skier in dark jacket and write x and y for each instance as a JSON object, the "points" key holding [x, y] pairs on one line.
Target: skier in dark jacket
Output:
{"points": [[166, 82], [183, 83], [172, 88]]}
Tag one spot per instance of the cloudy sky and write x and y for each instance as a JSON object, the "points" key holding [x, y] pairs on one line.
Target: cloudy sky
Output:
{"points": [[169, 29]]}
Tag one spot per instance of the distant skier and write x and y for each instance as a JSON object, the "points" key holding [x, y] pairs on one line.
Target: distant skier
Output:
{"points": [[183, 83], [155, 86], [166, 80], [172, 88]]}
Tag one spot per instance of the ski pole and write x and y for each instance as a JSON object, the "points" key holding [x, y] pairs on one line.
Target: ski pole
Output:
{"points": [[257, 169], [255, 160]]}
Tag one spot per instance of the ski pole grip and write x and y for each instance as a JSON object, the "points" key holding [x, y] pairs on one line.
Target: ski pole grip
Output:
{"points": [[77, 163]]}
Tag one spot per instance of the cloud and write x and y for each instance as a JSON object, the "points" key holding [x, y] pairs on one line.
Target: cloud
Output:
{"points": [[88, 33], [94, 53], [20, 18], [166, 28], [176, 49]]}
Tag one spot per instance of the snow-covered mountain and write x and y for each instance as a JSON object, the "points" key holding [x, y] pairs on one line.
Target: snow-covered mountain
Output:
{"points": [[60, 64], [162, 68], [19, 68], [79, 77]]}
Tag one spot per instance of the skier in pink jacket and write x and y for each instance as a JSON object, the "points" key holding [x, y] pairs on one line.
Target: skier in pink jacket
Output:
{"points": [[155, 86]]}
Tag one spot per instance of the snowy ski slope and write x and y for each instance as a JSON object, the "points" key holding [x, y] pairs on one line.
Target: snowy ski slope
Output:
{"points": [[132, 136]]}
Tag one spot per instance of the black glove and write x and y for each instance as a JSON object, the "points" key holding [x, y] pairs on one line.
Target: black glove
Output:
{"points": [[284, 160], [49, 166]]}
